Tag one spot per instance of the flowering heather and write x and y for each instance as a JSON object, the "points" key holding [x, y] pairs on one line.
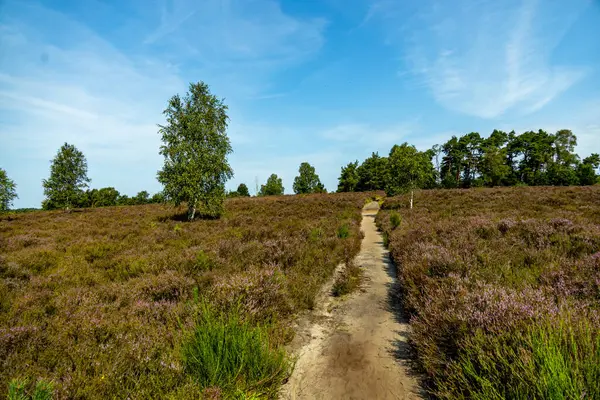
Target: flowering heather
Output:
{"points": [[97, 301], [488, 273]]}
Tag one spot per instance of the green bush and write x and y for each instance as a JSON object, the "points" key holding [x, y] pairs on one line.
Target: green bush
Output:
{"points": [[226, 352], [347, 281], [343, 232], [548, 360], [22, 389], [395, 220]]}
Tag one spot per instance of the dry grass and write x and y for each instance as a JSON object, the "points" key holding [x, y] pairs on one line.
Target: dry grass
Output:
{"points": [[98, 301], [503, 289]]}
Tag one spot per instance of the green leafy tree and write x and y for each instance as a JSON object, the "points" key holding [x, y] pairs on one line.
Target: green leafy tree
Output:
{"points": [[307, 181], [410, 169], [124, 200], [8, 191], [586, 171], [373, 173], [452, 163], [348, 181], [243, 190], [142, 197], [106, 197], [273, 187], [68, 178], [158, 198], [195, 148], [492, 163]]}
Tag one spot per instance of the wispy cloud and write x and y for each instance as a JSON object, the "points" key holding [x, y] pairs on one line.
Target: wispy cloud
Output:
{"points": [[486, 58], [62, 81]]}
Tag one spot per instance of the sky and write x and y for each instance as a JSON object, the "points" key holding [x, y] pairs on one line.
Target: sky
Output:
{"points": [[322, 81]]}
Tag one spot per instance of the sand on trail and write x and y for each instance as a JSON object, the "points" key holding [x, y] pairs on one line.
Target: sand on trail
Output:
{"points": [[356, 347]]}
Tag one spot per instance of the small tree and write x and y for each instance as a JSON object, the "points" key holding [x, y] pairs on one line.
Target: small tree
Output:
{"points": [[349, 178], [142, 197], [307, 181], [409, 169], [107, 196], [7, 191], [586, 171], [243, 190], [273, 187], [68, 178], [195, 150]]}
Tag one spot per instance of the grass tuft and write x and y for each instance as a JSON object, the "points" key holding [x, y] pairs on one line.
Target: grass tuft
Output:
{"points": [[347, 281], [226, 352]]}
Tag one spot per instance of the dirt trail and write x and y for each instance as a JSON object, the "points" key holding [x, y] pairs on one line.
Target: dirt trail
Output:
{"points": [[356, 348]]}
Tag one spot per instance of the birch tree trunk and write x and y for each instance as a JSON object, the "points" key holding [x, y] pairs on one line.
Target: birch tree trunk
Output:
{"points": [[192, 210], [412, 194]]}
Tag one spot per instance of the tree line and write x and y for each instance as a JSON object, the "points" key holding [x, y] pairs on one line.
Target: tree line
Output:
{"points": [[196, 146], [502, 159]]}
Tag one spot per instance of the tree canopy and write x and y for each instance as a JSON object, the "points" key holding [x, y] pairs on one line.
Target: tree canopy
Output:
{"points": [[195, 149], [307, 180], [273, 187], [68, 178], [242, 190], [8, 191], [348, 180], [471, 160]]}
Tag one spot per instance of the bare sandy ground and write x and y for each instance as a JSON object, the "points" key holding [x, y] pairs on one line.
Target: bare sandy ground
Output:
{"points": [[355, 348]]}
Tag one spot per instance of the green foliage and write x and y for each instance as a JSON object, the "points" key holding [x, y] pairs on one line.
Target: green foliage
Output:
{"points": [[409, 169], [22, 389], [195, 148], [395, 219], [242, 190], [502, 159], [68, 178], [307, 181], [373, 174], [349, 178], [227, 352], [106, 197], [343, 232], [142, 197], [273, 187], [7, 191], [347, 281], [549, 360]]}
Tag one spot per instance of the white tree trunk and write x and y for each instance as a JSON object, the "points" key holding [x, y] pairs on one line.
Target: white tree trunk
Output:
{"points": [[412, 194]]}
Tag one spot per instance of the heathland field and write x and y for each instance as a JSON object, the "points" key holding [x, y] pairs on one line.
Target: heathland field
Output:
{"points": [[503, 289], [122, 302]]}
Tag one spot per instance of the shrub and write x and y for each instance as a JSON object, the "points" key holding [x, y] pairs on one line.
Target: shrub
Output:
{"points": [[225, 352], [347, 281], [548, 360], [21, 389], [395, 220], [343, 232]]}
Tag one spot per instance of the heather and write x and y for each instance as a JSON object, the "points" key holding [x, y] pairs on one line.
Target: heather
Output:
{"points": [[502, 287], [104, 302]]}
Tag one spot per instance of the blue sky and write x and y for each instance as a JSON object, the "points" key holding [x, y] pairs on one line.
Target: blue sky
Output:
{"points": [[325, 81]]}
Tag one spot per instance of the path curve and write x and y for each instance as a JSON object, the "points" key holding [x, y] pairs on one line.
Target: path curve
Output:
{"points": [[356, 348]]}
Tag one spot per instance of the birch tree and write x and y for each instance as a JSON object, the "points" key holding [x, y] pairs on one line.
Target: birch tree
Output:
{"points": [[68, 178], [195, 148]]}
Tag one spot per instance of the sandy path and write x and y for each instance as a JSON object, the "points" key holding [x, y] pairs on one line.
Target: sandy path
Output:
{"points": [[355, 348]]}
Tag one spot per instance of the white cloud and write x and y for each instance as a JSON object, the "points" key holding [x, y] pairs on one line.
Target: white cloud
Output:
{"points": [[63, 81], [486, 58]]}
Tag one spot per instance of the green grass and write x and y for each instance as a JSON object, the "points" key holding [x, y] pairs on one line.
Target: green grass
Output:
{"points": [[347, 281], [549, 360], [22, 389], [225, 352]]}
